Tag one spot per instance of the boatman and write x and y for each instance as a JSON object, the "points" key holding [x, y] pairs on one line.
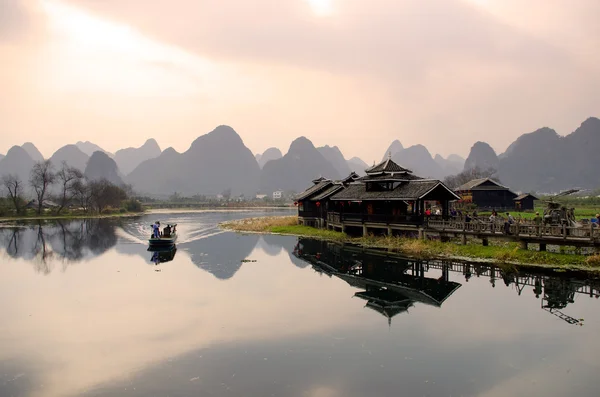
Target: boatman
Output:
{"points": [[156, 229]]}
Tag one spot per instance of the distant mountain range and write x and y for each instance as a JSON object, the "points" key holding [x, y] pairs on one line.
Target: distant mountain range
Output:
{"points": [[219, 162], [216, 162], [271, 153]]}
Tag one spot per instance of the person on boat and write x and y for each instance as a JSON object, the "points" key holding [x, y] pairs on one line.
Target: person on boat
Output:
{"points": [[156, 229], [167, 231]]}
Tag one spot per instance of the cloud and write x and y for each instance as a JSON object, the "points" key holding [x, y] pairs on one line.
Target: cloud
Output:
{"points": [[444, 73]]}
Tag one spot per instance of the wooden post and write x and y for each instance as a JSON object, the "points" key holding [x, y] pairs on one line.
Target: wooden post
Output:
{"points": [[464, 239], [485, 241], [542, 247], [365, 231], [564, 231], [389, 230], [592, 232], [523, 244]]}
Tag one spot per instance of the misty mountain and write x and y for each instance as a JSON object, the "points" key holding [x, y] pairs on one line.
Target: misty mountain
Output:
{"points": [[336, 158], [214, 162], [418, 159], [294, 171], [100, 166], [357, 165], [481, 156], [452, 165], [89, 148], [18, 162], [544, 161], [395, 148], [128, 159], [72, 155], [270, 154], [33, 152]]}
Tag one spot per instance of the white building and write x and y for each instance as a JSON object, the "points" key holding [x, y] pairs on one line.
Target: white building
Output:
{"points": [[277, 194]]}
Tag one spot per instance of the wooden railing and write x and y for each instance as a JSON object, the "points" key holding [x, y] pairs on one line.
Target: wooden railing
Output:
{"points": [[531, 230], [456, 225], [336, 217]]}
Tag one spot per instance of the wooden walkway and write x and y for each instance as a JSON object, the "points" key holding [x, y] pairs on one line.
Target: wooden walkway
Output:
{"points": [[525, 233]]}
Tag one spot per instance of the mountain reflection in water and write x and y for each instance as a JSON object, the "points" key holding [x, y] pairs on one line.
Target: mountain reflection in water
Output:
{"points": [[234, 314], [391, 284]]}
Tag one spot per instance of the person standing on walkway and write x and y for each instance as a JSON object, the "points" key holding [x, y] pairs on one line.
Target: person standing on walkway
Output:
{"points": [[538, 222]]}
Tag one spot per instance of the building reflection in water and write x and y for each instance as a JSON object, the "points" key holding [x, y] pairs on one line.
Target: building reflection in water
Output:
{"points": [[391, 284]]}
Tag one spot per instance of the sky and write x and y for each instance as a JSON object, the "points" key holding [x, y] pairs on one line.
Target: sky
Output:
{"points": [[353, 73]]}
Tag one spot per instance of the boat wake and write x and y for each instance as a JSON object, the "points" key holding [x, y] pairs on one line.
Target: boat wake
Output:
{"points": [[187, 231]]}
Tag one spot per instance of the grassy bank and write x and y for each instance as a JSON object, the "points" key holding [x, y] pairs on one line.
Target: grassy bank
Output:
{"points": [[426, 249], [67, 216]]}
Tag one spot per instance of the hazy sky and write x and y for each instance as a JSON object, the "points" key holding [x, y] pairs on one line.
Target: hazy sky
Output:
{"points": [[352, 73]]}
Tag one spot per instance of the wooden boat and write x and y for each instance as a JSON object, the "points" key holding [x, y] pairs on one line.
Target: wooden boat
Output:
{"points": [[164, 240]]}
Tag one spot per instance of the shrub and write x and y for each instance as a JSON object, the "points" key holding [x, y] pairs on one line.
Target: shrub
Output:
{"points": [[132, 205], [593, 260]]}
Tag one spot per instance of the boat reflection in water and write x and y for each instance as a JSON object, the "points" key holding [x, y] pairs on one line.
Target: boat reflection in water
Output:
{"points": [[392, 284], [162, 254]]}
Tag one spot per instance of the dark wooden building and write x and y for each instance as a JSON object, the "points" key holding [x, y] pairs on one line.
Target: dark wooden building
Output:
{"points": [[525, 202], [314, 202], [487, 194], [388, 196]]}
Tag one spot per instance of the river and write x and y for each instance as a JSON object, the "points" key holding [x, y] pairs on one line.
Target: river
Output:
{"points": [[87, 310]]}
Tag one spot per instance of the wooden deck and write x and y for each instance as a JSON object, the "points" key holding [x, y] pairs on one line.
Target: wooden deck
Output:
{"points": [[586, 236]]}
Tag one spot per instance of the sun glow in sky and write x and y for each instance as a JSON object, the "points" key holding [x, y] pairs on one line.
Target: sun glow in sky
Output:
{"points": [[275, 70], [96, 54], [321, 8]]}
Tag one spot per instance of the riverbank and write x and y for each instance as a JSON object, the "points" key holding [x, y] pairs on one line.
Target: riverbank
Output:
{"points": [[504, 253], [68, 217]]}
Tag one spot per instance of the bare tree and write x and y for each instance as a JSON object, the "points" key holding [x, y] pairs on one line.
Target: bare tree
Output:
{"points": [[83, 194], [41, 177], [13, 184], [105, 194], [68, 177]]}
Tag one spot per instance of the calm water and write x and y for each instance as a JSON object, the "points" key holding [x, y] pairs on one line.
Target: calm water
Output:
{"points": [[88, 311]]}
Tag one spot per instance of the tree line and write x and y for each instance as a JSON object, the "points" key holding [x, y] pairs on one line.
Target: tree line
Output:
{"points": [[72, 189]]}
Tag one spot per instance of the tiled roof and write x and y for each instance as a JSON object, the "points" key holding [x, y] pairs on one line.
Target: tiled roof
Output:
{"points": [[393, 176], [327, 192], [522, 196], [386, 166], [413, 190], [476, 182], [313, 189]]}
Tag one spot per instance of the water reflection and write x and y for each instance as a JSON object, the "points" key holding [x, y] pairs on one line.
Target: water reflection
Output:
{"points": [[210, 324], [391, 285], [162, 254], [44, 243]]}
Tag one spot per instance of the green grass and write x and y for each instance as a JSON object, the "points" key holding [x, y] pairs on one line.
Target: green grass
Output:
{"points": [[502, 253], [300, 230]]}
